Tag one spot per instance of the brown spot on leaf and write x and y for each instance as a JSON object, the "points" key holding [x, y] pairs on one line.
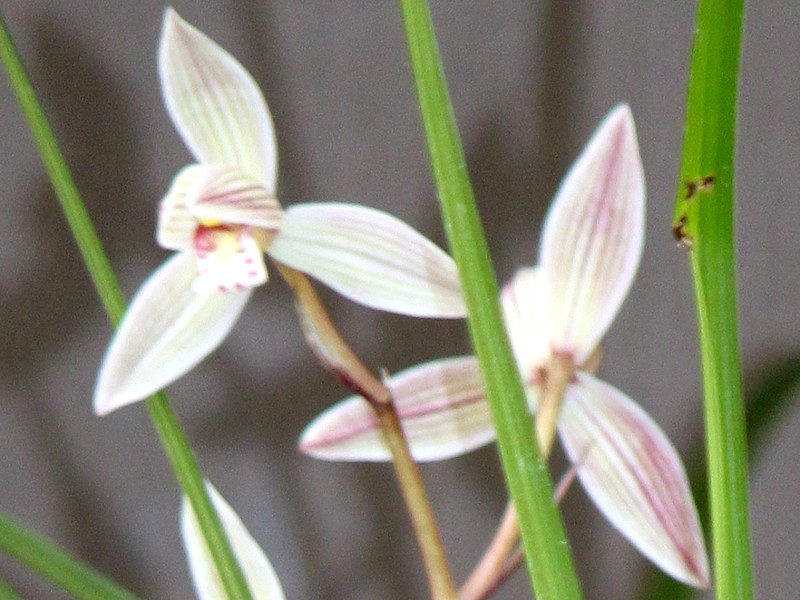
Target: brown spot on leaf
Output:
{"points": [[702, 184], [682, 238]]}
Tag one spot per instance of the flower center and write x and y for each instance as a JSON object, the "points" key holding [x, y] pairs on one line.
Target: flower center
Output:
{"points": [[229, 259]]}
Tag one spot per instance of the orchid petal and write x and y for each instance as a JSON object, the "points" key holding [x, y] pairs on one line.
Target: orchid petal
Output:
{"points": [[371, 258], [214, 103], [258, 571], [526, 310], [593, 236], [176, 225], [166, 331], [213, 195], [634, 475], [231, 196], [441, 406]]}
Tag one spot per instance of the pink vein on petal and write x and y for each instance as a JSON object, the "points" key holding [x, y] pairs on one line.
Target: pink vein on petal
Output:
{"points": [[371, 422]]}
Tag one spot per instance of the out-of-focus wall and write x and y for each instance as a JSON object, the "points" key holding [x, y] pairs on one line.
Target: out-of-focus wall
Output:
{"points": [[530, 80]]}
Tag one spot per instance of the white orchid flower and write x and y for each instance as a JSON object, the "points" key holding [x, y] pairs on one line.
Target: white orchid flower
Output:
{"points": [[256, 568], [589, 253], [221, 215]]}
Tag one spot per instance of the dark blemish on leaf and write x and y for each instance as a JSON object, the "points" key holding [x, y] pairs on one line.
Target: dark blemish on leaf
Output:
{"points": [[683, 239], [702, 184]]}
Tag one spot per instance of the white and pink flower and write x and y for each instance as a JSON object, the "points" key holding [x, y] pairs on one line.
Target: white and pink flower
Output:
{"points": [[221, 215], [589, 253]]}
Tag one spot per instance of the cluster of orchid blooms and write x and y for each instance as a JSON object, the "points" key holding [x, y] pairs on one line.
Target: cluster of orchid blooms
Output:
{"points": [[221, 216]]}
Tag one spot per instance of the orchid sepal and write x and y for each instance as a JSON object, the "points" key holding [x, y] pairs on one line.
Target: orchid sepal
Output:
{"points": [[215, 104], [593, 236], [371, 258], [634, 475], [167, 329], [441, 405]]}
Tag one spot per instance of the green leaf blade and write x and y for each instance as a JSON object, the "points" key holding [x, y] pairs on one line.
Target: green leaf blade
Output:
{"points": [[703, 223], [547, 552]]}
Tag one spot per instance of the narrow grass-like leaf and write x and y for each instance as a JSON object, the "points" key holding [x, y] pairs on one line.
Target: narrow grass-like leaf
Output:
{"points": [[7, 592], [703, 224], [172, 438], [548, 556], [53, 563]]}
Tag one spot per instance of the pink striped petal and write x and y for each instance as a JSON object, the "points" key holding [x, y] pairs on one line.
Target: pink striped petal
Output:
{"points": [[593, 236], [215, 104], [525, 309], [230, 196], [635, 477], [176, 225], [258, 571], [370, 257], [214, 195], [442, 409], [166, 331]]}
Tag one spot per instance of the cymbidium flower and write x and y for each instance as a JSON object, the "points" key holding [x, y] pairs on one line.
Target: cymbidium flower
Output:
{"points": [[256, 568], [221, 215], [590, 250]]}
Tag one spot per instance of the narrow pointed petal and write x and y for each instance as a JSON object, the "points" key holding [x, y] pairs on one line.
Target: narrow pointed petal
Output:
{"points": [[213, 195], [635, 477], [593, 236], [214, 103], [258, 571], [442, 409], [370, 257], [166, 331], [526, 310]]}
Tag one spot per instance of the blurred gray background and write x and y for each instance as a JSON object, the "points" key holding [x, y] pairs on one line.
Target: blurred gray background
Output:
{"points": [[530, 80]]}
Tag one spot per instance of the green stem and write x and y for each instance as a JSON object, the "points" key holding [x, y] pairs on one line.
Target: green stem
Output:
{"points": [[172, 438], [704, 224], [53, 563], [548, 556]]}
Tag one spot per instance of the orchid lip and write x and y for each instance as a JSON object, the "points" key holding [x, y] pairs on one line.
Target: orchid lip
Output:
{"points": [[228, 259]]}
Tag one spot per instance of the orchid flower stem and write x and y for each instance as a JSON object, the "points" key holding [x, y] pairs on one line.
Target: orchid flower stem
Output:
{"points": [[704, 225], [494, 559], [337, 357], [513, 562], [549, 560], [53, 563], [99, 267], [425, 527], [557, 376], [508, 556]]}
